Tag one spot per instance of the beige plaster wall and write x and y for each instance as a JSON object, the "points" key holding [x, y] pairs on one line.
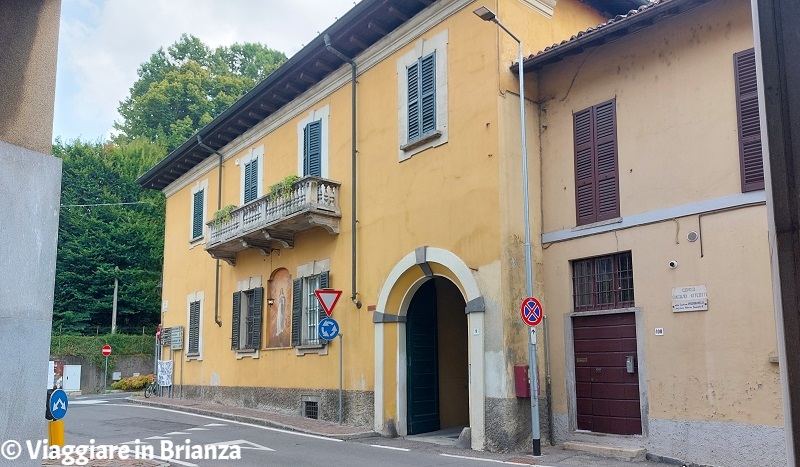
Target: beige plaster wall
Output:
{"points": [[677, 139], [676, 112], [708, 365]]}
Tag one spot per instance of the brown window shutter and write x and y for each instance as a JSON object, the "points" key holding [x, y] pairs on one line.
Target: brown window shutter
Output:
{"points": [[585, 202], [750, 156], [596, 167], [605, 126]]}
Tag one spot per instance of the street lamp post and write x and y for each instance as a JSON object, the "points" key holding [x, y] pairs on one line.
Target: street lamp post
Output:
{"points": [[114, 306], [488, 15]]}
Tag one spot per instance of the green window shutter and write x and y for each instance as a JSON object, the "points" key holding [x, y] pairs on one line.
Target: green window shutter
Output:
{"points": [[427, 89], [324, 283], [194, 328], [297, 310], [312, 149], [251, 180], [258, 311], [413, 102], [237, 301], [750, 156], [197, 214]]}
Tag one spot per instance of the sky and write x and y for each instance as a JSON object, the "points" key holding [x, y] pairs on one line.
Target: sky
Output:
{"points": [[103, 42]]}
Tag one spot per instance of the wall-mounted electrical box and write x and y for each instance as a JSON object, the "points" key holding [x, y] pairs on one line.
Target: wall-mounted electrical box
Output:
{"points": [[522, 382]]}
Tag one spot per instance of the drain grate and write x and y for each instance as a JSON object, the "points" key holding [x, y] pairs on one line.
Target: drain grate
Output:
{"points": [[311, 409]]}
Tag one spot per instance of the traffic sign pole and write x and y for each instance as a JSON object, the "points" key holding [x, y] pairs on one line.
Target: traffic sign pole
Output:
{"points": [[532, 314], [106, 351], [340, 378]]}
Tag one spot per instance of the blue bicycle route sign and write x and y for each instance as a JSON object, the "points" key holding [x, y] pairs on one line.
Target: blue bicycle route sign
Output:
{"points": [[328, 329], [58, 404], [531, 311]]}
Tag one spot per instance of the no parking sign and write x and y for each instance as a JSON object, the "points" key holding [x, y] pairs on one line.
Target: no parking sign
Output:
{"points": [[531, 311]]}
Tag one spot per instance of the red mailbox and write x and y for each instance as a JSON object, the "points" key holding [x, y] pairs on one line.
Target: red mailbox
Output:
{"points": [[522, 382]]}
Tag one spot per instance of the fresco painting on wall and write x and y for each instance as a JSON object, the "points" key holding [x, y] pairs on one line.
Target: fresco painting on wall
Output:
{"points": [[279, 323]]}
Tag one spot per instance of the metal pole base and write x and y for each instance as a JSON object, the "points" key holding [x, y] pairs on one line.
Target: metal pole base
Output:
{"points": [[537, 447]]}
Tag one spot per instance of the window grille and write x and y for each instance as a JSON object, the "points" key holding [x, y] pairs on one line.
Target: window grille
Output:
{"points": [[311, 409], [312, 311], [603, 283]]}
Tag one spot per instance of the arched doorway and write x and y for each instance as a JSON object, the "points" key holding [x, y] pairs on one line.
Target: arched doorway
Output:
{"points": [[390, 318], [437, 365]]}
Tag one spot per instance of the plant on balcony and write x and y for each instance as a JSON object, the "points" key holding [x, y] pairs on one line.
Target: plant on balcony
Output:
{"points": [[282, 189], [223, 215]]}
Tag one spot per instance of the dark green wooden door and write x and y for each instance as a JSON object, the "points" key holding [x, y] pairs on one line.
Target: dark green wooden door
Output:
{"points": [[422, 360]]}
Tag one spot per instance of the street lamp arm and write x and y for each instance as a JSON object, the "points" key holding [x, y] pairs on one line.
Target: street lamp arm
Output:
{"points": [[497, 22]]}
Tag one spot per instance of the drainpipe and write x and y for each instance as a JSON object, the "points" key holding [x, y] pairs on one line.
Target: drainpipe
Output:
{"points": [[327, 39], [219, 206]]}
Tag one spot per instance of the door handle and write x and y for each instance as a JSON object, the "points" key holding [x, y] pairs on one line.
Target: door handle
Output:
{"points": [[630, 366]]}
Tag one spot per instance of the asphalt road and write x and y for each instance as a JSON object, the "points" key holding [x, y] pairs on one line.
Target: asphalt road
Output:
{"points": [[109, 420]]}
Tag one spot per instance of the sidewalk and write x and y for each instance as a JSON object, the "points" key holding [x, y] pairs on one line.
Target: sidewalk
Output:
{"points": [[258, 417], [553, 455]]}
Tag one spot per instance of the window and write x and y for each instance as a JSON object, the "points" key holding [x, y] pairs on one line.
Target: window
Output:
{"points": [[596, 180], [194, 325], [194, 328], [306, 310], [603, 283], [750, 157], [312, 143], [252, 174], [422, 96], [312, 149], [250, 181], [247, 317], [198, 213]]}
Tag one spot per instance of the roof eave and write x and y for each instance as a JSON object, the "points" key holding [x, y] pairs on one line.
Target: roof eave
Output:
{"points": [[150, 179], [610, 32]]}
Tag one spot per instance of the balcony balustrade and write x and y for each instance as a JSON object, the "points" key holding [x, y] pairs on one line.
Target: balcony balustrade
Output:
{"points": [[271, 222]]}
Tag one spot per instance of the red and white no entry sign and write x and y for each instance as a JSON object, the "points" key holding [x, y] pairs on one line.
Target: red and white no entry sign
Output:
{"points": [[531, 311], [106, 350]]}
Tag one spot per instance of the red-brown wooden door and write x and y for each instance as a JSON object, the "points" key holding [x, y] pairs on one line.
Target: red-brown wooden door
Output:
{"points": [[607, 394]]}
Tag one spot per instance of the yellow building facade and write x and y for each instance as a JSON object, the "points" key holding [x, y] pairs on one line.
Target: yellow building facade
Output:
{"points": [[433, 215], [420, 225]]}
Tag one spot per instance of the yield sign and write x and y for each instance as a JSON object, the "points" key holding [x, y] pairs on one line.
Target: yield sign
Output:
{"points": [[328, 298]]}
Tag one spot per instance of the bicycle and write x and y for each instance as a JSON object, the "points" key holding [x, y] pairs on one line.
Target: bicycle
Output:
{"points": [[151, 389]]}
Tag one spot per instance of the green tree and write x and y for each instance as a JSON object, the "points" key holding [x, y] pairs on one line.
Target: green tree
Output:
{"points": [[183, 88], [179, 90], [95, 240]]}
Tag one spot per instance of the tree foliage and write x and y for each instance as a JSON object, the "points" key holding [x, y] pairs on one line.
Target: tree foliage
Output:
{"points": [[94, 241], [181, 89]]}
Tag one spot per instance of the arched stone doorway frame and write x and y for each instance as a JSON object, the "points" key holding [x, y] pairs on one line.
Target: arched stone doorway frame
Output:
{"points": [[461, 275]]}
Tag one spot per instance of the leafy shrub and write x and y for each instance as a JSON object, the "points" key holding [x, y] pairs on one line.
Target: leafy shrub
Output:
{"points": [[132, 383]]}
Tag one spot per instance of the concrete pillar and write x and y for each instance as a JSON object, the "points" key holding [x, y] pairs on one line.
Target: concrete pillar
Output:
{"points": [[776, 25], [30, 188]]}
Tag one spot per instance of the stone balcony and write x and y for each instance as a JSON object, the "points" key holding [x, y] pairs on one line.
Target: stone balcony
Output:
{"points": [[271, 223]]}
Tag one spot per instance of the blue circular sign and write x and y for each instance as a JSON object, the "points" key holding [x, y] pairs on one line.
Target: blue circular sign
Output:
{"points": [[58, 404], [328, 329]]}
